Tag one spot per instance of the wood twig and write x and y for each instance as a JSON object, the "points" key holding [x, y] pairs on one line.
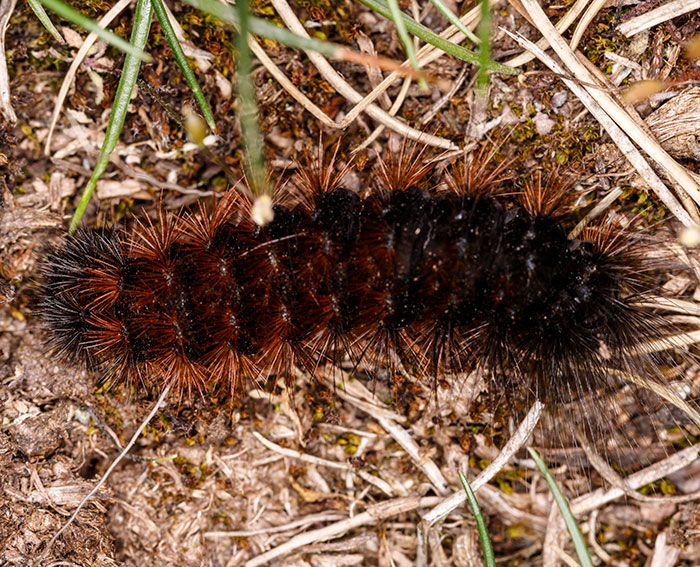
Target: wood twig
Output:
{"points": [[371, 516], [346, 90]]}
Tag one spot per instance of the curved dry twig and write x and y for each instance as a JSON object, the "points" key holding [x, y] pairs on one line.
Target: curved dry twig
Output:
{"points": [[6, 9], [600, 99], [623, 142], [345, 89], [90, 40]]}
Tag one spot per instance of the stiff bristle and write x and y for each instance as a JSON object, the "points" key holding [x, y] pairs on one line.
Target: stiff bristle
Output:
{"points": [[439, 281], [547, 198], [404, 169]]}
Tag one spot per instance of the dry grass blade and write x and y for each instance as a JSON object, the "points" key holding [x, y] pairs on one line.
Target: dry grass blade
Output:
{"points": [[6, 9], [666, 553], [90, 40], [596, 211], [354, 392], [617, 134], [610, 106], [426, 54], [305, 521], [600, 497], [588, 16], [427, 465], [288, 86], [562, 25], [297, 455], [371, 516], [658, 15], [377, 482], [518, 440], [610, 475], [345, 89], [112, 466], [676, 341], [396, 105], [664, 391]]}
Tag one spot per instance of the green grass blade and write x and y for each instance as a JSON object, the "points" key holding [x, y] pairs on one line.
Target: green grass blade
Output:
{"points": [[486, 547], [266, 29], [43, 17], [482, 78], [249, 109], [433, 39], [574, 531], [397, 18], [184, 65], [65, 11], [130, 71], [454, 20]]}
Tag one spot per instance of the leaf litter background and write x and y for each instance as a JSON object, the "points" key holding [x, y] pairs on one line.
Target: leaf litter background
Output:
{"points": [[202, 487]]}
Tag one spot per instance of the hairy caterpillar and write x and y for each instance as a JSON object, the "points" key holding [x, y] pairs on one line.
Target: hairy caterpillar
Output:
{"points": [[438, 280]]}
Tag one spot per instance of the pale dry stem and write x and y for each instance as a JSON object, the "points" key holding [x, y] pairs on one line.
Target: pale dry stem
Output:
{"points": [[515, 443], [90, 40], [6, 9], [105, 476], [605, 108], [371, 516], [658, 15], [346, 90], [602, 496], [562, 25], [616, 133], [311, 459]]}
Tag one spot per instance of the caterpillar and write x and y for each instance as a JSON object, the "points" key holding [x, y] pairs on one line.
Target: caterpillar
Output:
{"points": [[474, 273]]}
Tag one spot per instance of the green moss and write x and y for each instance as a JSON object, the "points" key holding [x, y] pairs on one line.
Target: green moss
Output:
{"points": [[516, 109], [192, 473], [597, 46], [661, 486], [643, 204], [110, 413], [505, 486], [350, 442], [525, 131]]}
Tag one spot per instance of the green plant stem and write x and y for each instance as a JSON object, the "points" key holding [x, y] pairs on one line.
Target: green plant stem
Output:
{"points": [[432, 38], [72, 15], [43, 17], [486, 547], [454, 20], [569, 520], [482, 81], [132, 64], [396, 17], [182, 62], [249, 110], [262, 28]]}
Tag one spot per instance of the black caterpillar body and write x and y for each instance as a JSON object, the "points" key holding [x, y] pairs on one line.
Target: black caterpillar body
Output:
{"points": [[441, 281]]}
